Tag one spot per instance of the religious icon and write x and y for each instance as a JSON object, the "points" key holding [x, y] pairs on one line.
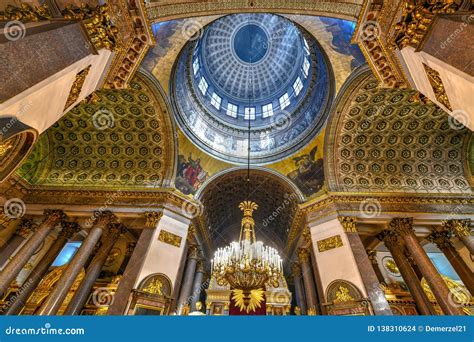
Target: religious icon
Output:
{"points": [[309, 173], [191, 174]]}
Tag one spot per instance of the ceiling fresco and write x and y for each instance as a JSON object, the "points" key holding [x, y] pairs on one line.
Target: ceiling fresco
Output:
{"points": [[122, 140]]}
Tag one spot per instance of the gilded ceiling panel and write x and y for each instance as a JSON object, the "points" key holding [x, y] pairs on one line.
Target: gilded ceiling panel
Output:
{"points": [[121, 140], [381, 140]]}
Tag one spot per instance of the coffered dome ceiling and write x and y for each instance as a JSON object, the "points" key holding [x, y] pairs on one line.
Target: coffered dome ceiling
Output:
{"points": [[260, 68], [122, 140], [380, 140]]}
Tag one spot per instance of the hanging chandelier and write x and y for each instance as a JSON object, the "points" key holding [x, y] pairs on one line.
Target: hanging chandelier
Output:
{"points": [[247, 265]]}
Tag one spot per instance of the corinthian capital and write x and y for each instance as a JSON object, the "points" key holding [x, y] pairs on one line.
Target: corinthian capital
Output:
{"points": [[296, 270], [348, 223], [440, 238], [69, 229], [53, 216], [115, 229], [402, 225], [152, 218], [26, 227], [459, 227], [193, 252], [389, 238], [303, 255], [103, 218]]}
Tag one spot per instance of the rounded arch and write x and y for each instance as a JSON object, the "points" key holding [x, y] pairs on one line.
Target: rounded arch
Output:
{"points": [[384, 140], [348, 10], [160, 281], [284, 179], [16, 142], [276, 197], [342, 290]]}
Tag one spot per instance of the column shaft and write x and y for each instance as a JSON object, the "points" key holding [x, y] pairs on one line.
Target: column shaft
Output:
{"points": [[366, 270], [10, 248], [403, 227], [93, 271], [55, 299], [40, 270], [394, 246], [459, 266], [197, 285], [186, 286], [308, 280], [11, 270], [299, 291]]}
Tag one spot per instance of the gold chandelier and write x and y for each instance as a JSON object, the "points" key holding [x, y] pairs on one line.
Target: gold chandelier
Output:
{"points": [[247, 265]]}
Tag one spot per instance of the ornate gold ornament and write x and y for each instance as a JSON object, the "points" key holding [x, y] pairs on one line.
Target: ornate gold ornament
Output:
{"points": [[303, 255], [26, 13], [311, 311], [154, 287], [437, 85], [391, 266], [247, 265], [343, 296], [248, 302], [460, 294], [458, 227], [170, 238], [100, 29], [417, 17], [348, 223], [76, 87], [329, 243], [4, 147], [152, 218]]}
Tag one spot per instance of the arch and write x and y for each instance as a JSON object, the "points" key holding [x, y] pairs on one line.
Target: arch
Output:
{"points": [[16, 142], [348, 10], [383, 140], [201, 190], [166, 284], [336, 291]]}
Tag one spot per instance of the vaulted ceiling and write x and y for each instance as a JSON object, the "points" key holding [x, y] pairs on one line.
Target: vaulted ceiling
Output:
{"points": [[121, 139]]}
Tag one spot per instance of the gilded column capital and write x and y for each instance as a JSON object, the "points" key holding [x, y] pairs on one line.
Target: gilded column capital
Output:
{"points": [[53, 216], [441, 239], [200, 267], [130, 248], [348, 223], [114, 229], [104, 218], [402, 225], [193, 252], [303, 255], [296, 270], [389, 238], [307, 236], [5, 219], [26, 227], [191, 232], [461, 228], [152, 218], [69, 229]]}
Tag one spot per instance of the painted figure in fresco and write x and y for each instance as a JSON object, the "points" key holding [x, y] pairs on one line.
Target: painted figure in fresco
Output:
{"points": [[309, 173], [190, 174]]}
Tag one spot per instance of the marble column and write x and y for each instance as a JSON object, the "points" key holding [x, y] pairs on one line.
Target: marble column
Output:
{"points": [[197, 284], [130, 274], [461, 228], [366, 270], [308, 280], [395, 247], [299, 291], [186, 285], [35, 277], [11, 270], [107, 242], [442, 240], [55, 299], [372, 254], [404, 228], [24, 229]]}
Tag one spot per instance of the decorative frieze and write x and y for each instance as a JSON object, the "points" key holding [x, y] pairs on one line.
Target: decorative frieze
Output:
{"points": [[170, 238], [330, 243], [438, 87]]}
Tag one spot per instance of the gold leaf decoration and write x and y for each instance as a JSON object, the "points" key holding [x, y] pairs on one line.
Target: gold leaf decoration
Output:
{"points": [[248, 302]]}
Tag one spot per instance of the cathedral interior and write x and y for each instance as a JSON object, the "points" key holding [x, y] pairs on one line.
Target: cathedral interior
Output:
{"points": [[236, 157]]}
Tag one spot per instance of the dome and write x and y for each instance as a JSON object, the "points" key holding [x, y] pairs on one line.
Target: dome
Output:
{"points": [[251, 69]]}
